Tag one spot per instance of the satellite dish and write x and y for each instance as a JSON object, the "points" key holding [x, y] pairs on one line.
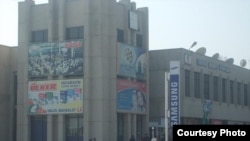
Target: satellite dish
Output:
{"points": [[201, 51], [216, 56], [230, 61], [243, 63]]}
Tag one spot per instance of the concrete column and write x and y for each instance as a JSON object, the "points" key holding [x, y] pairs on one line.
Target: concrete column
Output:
{"points": [[24, 31], [51, 16], [127, 127], [61, 20], [49, 128], [61, 128]]}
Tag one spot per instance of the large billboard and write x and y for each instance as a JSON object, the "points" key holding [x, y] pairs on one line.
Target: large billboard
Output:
{"points": [[55, 96], [131, 96], [174, 96], [56, 58], [132, 61]]}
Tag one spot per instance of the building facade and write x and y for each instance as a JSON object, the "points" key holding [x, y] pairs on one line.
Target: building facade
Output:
{"points": [[209, 90], [8, 91], [82, 70]]}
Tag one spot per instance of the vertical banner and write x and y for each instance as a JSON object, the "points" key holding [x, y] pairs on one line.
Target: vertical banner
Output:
{"points": [[174, 93]]}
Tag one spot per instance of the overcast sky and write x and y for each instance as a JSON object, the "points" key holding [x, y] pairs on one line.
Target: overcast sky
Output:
{"points": [[221, 26]]}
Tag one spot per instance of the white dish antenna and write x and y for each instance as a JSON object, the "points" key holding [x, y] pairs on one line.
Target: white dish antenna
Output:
{"points": [[230, 61], [216, 56], [201, 51], [243, 63]]}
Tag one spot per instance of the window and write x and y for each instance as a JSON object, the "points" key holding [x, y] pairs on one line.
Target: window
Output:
{"points": [[38, 129], [206, 86], [74, 128], [138, 40], [197, 85], [245, 95], [39, 36], [224, 90], [238, 93], [120, 35], [215, 88], [187, 83], [231, 91], [74, 33]]}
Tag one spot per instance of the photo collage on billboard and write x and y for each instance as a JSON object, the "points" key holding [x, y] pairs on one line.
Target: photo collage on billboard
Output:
{"points": [[55, 96], [55, 58], [131, 79]]}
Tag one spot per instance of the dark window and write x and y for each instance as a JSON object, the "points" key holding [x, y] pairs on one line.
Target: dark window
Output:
{"points": [[138, 40], [38, 128], [206, 86], [120, 35], [74, 33], [231, 88], [74, 128], [245, 95], [187, 83], [238, 93], [39, 36], [224, 90], [139, 126], [216, 88], [197, 85]]}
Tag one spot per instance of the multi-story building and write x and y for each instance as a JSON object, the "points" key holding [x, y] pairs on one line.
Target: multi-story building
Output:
{"points": [[8, 91], [201, 89], [82, 70]]}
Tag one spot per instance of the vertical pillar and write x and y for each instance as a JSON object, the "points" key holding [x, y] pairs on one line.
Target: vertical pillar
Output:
{"points": [[49, 128], [127, 127], [61, 129]]}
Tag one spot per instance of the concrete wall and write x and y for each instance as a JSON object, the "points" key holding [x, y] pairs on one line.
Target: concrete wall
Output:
{"points": [[100, 20], [8, 68], [191, 106]]}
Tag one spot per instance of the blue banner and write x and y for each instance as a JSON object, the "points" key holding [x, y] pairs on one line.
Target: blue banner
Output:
{"points": [[174, 96], [132, 61]]}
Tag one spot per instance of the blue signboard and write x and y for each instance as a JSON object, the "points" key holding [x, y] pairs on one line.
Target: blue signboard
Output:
{"points": [[174, 83]]}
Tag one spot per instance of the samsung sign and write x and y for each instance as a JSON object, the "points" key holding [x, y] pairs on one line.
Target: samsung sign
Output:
{"points": [[174, 93]]}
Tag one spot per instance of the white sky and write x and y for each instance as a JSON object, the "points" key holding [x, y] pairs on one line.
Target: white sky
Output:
{"points": [[221, 26]]}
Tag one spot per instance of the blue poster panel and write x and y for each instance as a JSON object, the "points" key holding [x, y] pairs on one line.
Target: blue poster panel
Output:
{"points": [[132, 61], [56, 58], [131, 96]]}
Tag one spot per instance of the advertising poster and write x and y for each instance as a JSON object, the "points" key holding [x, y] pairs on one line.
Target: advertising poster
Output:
{"points": [[58, 58], [174, 93], [131, 96], [132, 61], [55, 96]]}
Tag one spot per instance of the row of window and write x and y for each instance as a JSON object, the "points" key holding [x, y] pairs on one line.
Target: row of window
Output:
{"points": [[73, 128], [234, 90], [120, 38], [73, 33]]}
